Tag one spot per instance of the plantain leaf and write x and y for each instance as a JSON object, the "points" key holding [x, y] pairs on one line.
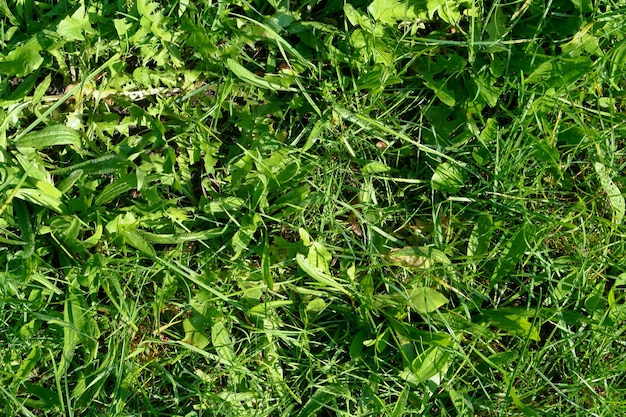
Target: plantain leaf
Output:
{"points": [[49, 136]]}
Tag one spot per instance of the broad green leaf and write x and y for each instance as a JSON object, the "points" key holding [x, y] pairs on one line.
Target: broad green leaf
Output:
{"points": [[318, 400], [319, 257], [426, 300], [124, 227], [29, 329], [616, 199], [596, 301], [393, 11], [582, 42], [27, 365], [515, 324], [496, 26], [22, 60], [195, 328], [441, 90], [399, 408], [322, 278], [23, 217], [244, 235], [47, 398], [316, 305], [41, 89], [121, 222], [489, 134], [292, 198], [421, 257], [500, 360], [304, 236], [617, 59], [461, 401], [171, 238], [33, 166], [375, 168], [68, 230], [486, 89], [356, 17], [431, 364], [448, 10], [104, 165], [136, 240], [249, 77], [569, 70], [585, 6], [70, 335], [356, 347], [45, 196], [408, 331], [546, 152], [409, 257], [119, 186], [480, 239], [542, 72], [49, 136], [512, 253], [265, 309], [448, 178], [220, 338], [73, 27], [225, 205]]}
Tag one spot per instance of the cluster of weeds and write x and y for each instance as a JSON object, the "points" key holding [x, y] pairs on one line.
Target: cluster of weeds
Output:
{"points": [[323, 207]]}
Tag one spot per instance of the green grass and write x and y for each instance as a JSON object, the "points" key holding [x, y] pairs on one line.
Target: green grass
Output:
{"points": [[384, 208]]}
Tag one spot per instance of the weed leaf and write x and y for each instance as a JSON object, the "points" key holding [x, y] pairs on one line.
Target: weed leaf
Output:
{"points": [[616, 199], [325, 280], [448, 178], [480, 238], [220, 338], [512, 253], [22, 60], [49, 136], [73, 27], [515, 324], [249, 77], [429, 364], [426, 300]]}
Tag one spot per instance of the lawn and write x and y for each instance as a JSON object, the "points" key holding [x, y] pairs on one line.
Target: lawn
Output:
{"points": [[312, 208]]}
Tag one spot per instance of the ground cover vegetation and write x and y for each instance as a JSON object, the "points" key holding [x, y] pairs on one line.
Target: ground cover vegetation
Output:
{"points": [[300, 208]]}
